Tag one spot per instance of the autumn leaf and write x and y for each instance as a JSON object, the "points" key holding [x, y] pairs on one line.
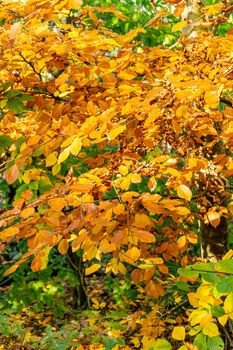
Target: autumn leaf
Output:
{"points": [[178, 333], [25, 213], [63, 246], [64, 155], [93, 268], [76, 146], [115, 132], [12, 174], [131, 255], [51, 159], [9, 232], [184, 192]]}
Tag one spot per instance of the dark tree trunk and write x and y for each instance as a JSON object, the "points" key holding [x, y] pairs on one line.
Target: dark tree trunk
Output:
{"points": [[80, 298]]}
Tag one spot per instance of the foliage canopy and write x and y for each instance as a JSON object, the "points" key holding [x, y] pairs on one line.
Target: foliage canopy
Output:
{"points": [[116, 150]]}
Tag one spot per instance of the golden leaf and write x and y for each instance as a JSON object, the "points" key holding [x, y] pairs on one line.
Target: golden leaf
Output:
{"points": [[178, 333], [51, 159], [76, 146], [27, 212], [211, 330], [9, 232], [131, 255], [115, 132], [184, 192], [64, 155], [178, 26], [93, 268]]}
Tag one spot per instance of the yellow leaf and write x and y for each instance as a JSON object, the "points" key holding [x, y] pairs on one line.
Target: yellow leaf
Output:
{"points": [[184, 192], [75, 4], [135, 178], [196, 316], [211, 330], [106, 247], [212, 98], [178, 26], [51, 159], [27, 212], [178, 333], [127, 74], [63, 246], [91, 253], [76, 146], [64, 155], [123, 170], [154, 114], [223, 320], [182, 210], [9, 232], [115, 132], [56, 168], [131, 255], [93, 268], [228, 305]]}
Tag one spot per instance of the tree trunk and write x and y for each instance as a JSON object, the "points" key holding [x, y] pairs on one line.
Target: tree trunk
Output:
{"points": [[212, 186], [194, 17], [80, 298]]}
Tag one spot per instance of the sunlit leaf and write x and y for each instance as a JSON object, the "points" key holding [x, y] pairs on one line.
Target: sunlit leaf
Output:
{"points": [[93, 268], [178, 333]]}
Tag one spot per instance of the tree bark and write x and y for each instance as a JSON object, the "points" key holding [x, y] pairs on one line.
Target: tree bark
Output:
{"points": [[214, 240], [80, 298]]}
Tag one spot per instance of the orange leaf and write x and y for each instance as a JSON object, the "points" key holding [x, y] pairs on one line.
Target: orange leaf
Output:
{"points": [[63, 246], [12, 174], [11, 270], [144, 236], [131, 255], [57, 203]]}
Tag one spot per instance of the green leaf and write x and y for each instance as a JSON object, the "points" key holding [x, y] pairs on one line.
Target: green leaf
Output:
{"points": [[15, 105], [225, 285], [225, 266], [200, 342], [19, 142], [161, 344], [210, 277], [3, 21], [215, 343], [203, 267], [5, 141], [109, 343], [217, 311], [182, 285], [187, 272]]}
